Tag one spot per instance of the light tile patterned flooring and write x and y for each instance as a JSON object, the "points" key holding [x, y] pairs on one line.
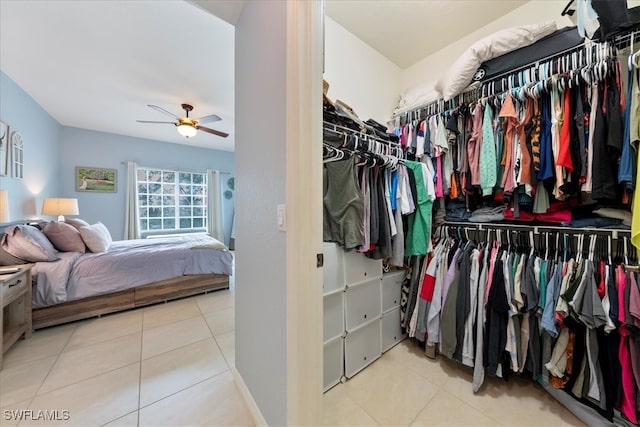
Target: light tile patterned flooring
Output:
{"points": [[169, 365]]}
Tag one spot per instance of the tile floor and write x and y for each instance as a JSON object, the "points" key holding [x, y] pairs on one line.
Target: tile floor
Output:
{"points": [[169, 365], [404, 388]]}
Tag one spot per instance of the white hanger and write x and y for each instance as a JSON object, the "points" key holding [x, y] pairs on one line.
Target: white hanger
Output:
{"points": [[580, 242], [592, 246], [635, 59], [532, 243], [546, 243], [630, 60]]}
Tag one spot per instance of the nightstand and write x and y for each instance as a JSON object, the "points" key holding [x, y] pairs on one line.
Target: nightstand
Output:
{"points": [[15, 300]]}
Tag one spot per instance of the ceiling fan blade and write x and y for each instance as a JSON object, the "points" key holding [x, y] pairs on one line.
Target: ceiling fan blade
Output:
{"points": [[213, 131], [163, 111], [209, 119], [153, 121]]}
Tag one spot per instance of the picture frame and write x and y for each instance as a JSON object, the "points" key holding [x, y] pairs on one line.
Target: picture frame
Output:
{"points": [[96, 180], [5, 147]]}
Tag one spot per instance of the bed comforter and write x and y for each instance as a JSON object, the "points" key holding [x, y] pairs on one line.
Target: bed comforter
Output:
{"points": [[127, 264]]}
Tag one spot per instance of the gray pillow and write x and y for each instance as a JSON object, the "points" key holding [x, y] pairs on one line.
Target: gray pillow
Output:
{"points": [[28, 243], [6, 258], [64, 237]]}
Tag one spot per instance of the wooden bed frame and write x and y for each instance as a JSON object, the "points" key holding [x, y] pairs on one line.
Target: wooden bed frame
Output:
{"points": [[140, 296]]}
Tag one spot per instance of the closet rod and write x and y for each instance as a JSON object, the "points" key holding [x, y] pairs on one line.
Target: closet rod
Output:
{"points": [[620, 40], [539, 228], [477, 86], [337, 128]]}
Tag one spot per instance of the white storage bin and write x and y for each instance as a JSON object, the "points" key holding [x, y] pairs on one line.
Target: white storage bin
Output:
{"points": [[333, 362], [333, 305], [358, 268], [391, 330], [361, 348], [333, 270], [391, 290], [362, 304]]}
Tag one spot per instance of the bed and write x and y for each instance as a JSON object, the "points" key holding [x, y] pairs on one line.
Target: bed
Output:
{"points": [[72, 285]]}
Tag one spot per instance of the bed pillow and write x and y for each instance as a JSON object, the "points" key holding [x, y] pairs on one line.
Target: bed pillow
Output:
{"points": [[6, 258], [28, 243], [64, 237], [96, 237], [461, 72], [76, 222]]}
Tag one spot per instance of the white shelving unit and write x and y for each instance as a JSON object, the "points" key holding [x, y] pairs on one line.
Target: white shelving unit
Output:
{"points": [[361, 312]]}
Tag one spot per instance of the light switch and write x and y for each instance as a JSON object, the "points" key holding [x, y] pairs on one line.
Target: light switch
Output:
{"points": [[282, 218]]}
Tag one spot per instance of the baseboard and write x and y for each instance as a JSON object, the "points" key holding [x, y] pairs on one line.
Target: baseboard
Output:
{"points": [[248, 398]]}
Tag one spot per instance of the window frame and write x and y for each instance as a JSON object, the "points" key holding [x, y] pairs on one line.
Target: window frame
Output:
{"points": [[184, 187]]}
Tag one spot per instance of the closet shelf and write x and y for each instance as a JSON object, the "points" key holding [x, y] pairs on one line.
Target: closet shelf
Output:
{"points": [[557, 63]]}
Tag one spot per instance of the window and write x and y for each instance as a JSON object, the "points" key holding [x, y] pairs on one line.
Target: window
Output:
{"points": [[171, 201], [17, 155]]}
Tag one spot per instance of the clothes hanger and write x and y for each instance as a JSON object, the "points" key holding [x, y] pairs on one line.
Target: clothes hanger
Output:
{"points": [[636, 60], [626, 256], [532, 243]]}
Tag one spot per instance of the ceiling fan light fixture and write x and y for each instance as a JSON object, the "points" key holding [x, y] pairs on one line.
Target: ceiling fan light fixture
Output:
{"points": [[187, 130]]}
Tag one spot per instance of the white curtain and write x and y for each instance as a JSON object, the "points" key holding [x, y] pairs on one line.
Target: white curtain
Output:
{"points": [[214, 205], [131, 225]]}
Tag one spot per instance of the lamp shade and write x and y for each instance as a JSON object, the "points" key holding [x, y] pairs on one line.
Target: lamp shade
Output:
{"points": [[60, 207], [187, 130], [4, 206]]}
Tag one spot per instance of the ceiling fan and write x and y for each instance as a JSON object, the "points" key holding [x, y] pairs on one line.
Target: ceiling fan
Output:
{"points": [[187, 126]]}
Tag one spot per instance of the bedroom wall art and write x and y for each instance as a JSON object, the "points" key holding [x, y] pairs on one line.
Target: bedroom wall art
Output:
{"points": [[4, 148], [17, 156], [98, 180]]}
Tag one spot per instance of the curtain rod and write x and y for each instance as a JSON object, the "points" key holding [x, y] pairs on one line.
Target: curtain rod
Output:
{"points": [[477, 86], [539, 228]]}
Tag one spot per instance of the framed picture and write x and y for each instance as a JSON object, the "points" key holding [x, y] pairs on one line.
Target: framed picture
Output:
{"points": [[96, 179], [5, 148]]}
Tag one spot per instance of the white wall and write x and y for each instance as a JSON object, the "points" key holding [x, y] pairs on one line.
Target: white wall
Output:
{"points": [[427, 72], [431, 68], [359, 75], [260, 153]]}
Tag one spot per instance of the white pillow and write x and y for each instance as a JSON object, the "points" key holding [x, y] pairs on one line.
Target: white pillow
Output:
{"points": [[96, 237], [460, 75]]}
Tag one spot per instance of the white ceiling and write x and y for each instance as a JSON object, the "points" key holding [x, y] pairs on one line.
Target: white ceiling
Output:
{"points": [[406, 31], [96, 64]]}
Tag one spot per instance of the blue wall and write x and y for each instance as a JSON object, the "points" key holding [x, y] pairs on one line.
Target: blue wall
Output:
{"points": [[40, 133], [81, 147], [52, 152]]}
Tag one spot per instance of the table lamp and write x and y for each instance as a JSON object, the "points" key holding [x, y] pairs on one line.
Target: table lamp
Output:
{"points": [[60, 207], [4, 206]]}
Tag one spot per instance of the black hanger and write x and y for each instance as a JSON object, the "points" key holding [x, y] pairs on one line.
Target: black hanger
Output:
{"points": [[568, 10]]}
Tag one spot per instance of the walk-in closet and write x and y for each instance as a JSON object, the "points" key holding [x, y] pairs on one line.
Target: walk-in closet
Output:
{"points": [[481, 223]]}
